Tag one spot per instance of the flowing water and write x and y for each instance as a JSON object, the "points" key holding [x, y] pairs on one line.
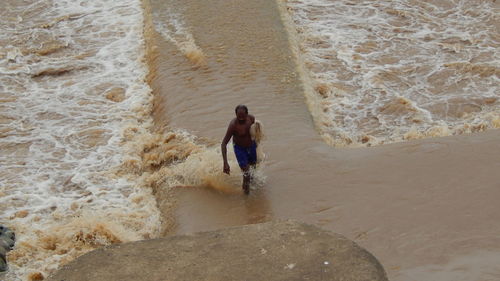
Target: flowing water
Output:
{"points": [[72, 91], [398, 70], [86, 149]]}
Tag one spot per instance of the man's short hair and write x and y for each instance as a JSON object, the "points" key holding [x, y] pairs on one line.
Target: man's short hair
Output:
{"points": [[241, 106]]}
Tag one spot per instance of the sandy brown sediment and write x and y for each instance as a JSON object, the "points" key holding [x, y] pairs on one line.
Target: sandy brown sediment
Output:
{"points": [[58, 71]]}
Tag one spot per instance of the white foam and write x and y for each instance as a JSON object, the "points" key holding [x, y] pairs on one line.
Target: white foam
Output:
{"points": [[370, 55], [172, 28], [72, 132]]}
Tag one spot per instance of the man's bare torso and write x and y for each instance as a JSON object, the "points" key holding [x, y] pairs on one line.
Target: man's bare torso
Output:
{"points": [[241, 131]]}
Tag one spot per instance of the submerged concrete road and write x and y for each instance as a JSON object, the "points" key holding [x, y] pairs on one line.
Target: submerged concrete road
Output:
{"points": [[284, 250]]}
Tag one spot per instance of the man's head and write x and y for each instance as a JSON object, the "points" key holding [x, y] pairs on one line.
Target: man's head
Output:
{"points": [[241, 113]]}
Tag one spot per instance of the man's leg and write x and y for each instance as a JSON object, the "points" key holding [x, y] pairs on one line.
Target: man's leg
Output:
{"points": [[246, 179], [242, 157], [252, 160]]}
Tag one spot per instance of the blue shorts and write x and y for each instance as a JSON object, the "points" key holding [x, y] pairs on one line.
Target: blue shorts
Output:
{"points": [[246, 155]]}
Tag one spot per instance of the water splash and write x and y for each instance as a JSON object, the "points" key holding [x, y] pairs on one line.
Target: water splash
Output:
{"points": [[173, 29]]}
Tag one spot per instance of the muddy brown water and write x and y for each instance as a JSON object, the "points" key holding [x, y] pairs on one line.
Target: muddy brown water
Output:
{"points": [[427, 209]]}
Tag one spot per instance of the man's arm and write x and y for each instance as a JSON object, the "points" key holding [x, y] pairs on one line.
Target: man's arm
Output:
{"points": [[223, 147]]}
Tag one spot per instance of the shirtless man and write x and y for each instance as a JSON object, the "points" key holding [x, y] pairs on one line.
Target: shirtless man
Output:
{"points": [[244, 147]]}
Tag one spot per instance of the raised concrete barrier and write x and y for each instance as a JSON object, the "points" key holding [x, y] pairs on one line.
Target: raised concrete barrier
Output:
{"points": [[284, 250]]}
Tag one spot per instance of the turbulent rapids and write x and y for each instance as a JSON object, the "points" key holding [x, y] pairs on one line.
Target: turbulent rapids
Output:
{"points": [[398, 70], [72, 86], [113, 110]]}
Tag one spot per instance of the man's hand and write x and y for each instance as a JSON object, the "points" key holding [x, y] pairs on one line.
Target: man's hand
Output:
{"points": [[226, 168]]}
